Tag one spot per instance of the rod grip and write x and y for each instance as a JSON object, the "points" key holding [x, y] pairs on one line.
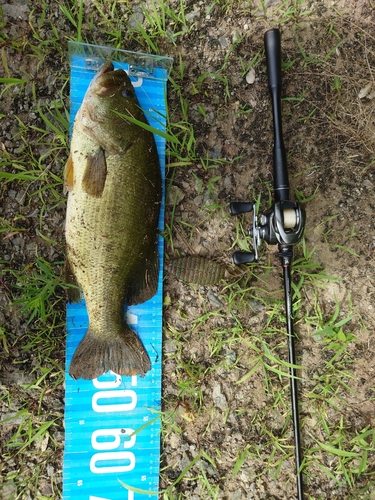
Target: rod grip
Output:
{"points": [[272, 45]]}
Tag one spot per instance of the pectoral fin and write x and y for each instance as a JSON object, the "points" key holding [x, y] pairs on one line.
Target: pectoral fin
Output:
{"points": [[69, 174], [95, 173]]}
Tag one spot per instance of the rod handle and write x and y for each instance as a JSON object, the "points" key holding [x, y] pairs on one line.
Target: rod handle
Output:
{"points": [[272, 45]]}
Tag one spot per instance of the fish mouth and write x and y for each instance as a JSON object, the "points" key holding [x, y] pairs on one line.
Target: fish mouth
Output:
{"points": [[106, 68], [108, 80]]}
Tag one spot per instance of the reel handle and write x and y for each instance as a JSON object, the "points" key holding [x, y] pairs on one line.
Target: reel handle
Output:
{"points": [[272, 44], [240, 258], [239, 207]]}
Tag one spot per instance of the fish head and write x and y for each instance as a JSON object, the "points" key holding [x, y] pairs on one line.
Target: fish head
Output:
{"points": [[110, 89], [108, 100], [109, 83]]}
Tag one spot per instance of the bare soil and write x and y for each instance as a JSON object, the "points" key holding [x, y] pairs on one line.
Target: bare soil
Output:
{"points": [[329, 132]]}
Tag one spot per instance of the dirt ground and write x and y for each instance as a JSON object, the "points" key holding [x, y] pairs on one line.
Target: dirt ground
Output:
{"points": [[213, 335]]}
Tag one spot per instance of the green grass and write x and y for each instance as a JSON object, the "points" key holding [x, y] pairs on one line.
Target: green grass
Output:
{"points": [[34, 288], [266, 358], [243, 344]]}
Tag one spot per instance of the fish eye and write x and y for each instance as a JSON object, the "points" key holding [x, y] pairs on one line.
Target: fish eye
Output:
{"points": [[126, 93]]}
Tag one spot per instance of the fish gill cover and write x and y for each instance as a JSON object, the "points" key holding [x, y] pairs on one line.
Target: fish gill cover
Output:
{"points": [[112, 423]]}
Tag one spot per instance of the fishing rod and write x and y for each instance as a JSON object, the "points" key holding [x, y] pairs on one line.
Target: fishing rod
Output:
{"points": [[283, 225]]}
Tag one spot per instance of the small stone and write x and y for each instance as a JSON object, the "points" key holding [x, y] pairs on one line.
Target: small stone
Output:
{"points": [[50, 81], [223, 42], [9, 490], [250, 77], [227, 182], [185, 461], [220, 400], [176, 195], [365, 90], [209, 468], [59, 436], [175, 440], [9, 420], [238, 495], [28, 90], [317, 337], [50, 470], [231, 356], [18, 241], [15, 12], [214, 300], [45, 488], [169, 347], [20, 197], [210, 118], [191, 16], [214, 152], [256, 305], [135, 20], [198, 200]]}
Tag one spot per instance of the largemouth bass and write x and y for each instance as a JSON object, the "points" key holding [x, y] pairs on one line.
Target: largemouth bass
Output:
{"points": [[114, 183]]}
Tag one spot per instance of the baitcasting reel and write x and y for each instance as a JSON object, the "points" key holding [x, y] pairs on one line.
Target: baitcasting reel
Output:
{"points": [[283, 224]]}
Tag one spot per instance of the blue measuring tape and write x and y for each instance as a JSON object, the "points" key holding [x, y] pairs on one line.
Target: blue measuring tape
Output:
{"points": [[112, 424]]}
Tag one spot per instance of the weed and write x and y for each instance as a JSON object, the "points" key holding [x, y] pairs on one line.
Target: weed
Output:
{"points": [[253, 63], [11, 82], [242, 344], [291, 11], [39, 286], [74, 14]]}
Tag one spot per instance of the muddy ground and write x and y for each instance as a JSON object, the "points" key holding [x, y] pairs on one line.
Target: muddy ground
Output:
{"points": [[212, 334]]}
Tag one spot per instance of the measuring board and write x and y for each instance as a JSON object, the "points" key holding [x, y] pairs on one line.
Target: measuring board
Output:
{"points": [[112, 424]]}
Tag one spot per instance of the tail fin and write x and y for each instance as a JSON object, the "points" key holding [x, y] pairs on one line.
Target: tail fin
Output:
{"points": [[124, 354]]}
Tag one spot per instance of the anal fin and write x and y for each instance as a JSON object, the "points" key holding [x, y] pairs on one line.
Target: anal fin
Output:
{"points": [[145, 285]]}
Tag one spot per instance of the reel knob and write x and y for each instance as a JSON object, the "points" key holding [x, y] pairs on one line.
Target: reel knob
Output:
{"points": [[238, 207], [243, 258]]}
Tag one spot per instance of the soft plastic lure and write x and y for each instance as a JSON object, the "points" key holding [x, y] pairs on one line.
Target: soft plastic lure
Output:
{"points": [[200, 270]]}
